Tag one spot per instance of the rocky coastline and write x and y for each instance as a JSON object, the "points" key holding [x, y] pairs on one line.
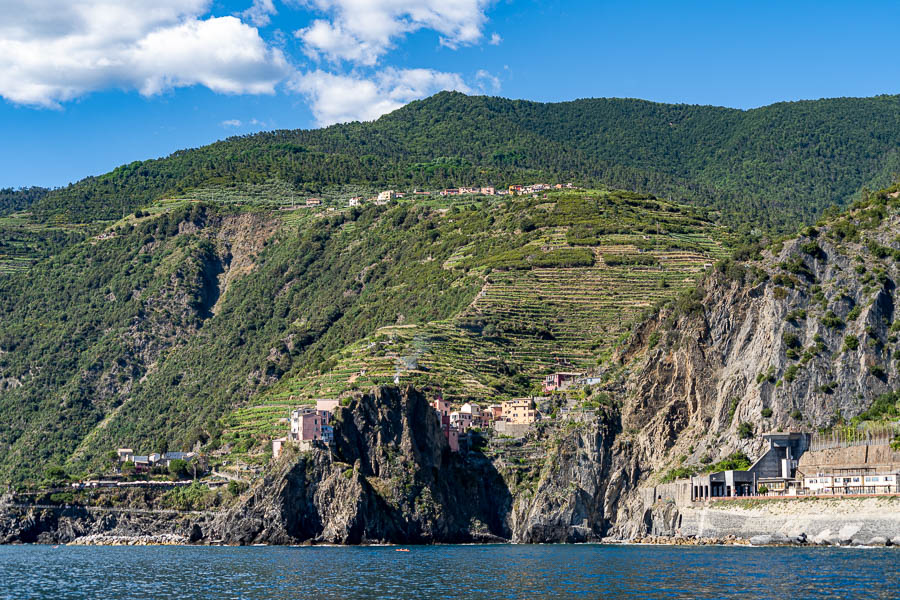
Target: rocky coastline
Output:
{"points": [[390, 477]]}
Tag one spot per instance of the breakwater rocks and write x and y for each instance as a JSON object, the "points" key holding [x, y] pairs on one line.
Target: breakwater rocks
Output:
{"points": [[123, 540], [775, 539], [21, 524], [664, 540]]}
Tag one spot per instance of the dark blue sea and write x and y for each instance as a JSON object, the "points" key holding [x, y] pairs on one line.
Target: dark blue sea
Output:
{"points": [[447, 572]]}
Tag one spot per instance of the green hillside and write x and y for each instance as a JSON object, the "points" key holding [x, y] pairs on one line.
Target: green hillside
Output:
{"points": [[191, 300], [767, 168], [195, 323], [556, 297]]}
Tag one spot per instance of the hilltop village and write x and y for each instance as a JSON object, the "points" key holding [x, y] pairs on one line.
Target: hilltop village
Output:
{"points": [[385, 196]]}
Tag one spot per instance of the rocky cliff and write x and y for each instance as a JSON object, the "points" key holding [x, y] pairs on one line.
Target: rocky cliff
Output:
{"points": [[45, 524], [390, 478], [801, 336]]}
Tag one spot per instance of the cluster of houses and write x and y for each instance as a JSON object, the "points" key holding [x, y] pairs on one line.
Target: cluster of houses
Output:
{"points": [[386, 196], [309, 427], [513, 190], [790, 468], [143, 463], [557, 382], [456, 423]]}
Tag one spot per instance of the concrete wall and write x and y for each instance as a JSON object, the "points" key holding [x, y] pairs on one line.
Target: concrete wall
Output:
{"points": [[678, 492], [850, 520], [769, 465], [855, 456], [516, 430]]}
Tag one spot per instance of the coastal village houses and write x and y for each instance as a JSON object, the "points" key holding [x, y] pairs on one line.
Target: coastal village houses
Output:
{"points": [[143, 463], [455, 424], [559, 381], [519, 411], [309, 426]]}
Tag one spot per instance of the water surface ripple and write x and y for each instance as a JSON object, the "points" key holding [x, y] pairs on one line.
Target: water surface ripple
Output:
{"points": [[501, 571]]}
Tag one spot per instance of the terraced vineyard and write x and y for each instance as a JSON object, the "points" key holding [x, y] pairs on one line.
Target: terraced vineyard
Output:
{"points": [[22, 241], [525, 322]]}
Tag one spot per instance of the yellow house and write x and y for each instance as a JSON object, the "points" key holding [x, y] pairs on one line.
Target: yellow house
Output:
{"points": [[520, 411]]}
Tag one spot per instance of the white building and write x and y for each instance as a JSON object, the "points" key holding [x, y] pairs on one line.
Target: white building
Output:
{"points": [[462, 421], [851, 483]]}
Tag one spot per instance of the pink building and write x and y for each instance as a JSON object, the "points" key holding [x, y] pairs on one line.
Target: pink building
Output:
{"points": [[462, 421], [559, 381], [442, 407], [451, 432], [308, 424], [453, 439]]}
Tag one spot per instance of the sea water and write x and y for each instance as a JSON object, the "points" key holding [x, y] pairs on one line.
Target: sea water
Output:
{"points": [[489, 571]]}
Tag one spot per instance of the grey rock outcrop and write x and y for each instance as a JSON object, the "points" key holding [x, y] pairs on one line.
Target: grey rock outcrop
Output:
{"points": [[390, 478]]}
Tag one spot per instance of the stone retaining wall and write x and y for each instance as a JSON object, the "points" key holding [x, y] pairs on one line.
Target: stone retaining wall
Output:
{"points": [[822, 461], [832, 521]]}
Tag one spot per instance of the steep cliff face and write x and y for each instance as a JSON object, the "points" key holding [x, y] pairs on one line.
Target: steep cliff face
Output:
{"points": [[24, 524], [391, 477], [799, 338], [577, 493]]}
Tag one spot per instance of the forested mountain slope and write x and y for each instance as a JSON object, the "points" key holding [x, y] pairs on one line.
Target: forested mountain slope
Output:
{"points": [[150, 333], [12, 200], [770, 167]]}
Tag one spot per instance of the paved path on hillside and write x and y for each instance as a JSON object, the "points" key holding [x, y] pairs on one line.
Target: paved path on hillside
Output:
{"points": [[136, 511]]}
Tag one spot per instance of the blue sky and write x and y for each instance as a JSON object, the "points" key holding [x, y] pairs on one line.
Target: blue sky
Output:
{"points": [[86, 85]]}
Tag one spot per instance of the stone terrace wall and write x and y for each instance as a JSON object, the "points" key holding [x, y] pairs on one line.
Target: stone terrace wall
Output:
{"points": [[853, 456], [831, 521]]}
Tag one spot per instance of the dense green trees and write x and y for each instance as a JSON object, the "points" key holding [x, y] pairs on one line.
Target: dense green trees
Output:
{"points": [[767, 168], [12, 200]]}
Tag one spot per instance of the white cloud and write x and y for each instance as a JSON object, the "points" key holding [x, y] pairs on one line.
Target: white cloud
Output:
{"points": [[495, 39], [52, 51], [487, 82], [260, 13], [341, 98], [235, 123], [361, 31]]}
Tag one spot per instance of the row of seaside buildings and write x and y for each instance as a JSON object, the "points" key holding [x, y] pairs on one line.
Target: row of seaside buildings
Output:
{"points": [[791, 466], [311, 426]]}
